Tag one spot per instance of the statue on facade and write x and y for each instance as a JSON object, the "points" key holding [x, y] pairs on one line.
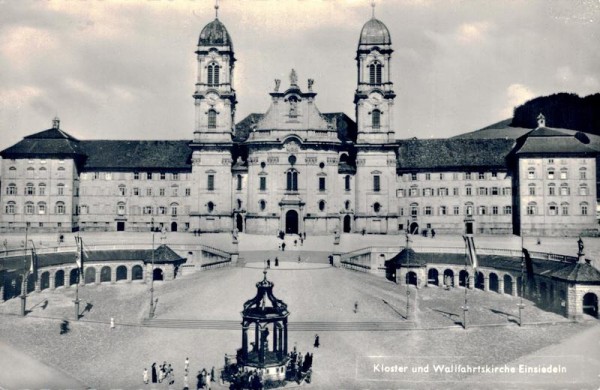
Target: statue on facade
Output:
{"points": [[277, 84], [580, 245], [293, 78], [310, 84]]}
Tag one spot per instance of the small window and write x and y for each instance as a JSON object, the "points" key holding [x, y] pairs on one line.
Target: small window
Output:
{"points": [[376, 183], [321, 205], [347, 205], [163, 176], [30, 189], [507, 210], [584, 208], [61, 189], [481, 176], [210, 206], [531, 174], [376, 207], [29, 208], [239, 182], [582, 174], [262, 204], [11, 189], [552, 209], [532, 189], [263, 183], [212, 119], [122, 190], [42, 208], [211, 182], [564, 174], [347, 182], [322, 184]]}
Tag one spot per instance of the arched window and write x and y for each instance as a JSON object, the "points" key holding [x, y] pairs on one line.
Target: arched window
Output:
{"points": [[59, 208], [375, 73], [262, 204], [121, 208], [212, 119], [210, 207], [564, 208], [12, 172], [30, 171], [347, 182], [321, 205], [552, 208], [29, 208], [531, 208], [583, 189], [42, 208], [469, 209], [29, 189], [11, 189], [42, 189], [174, 207], [213, 74], [292, 180], [583, 206], [376, 118], [414, 209], [376, 207], [11, 208]]}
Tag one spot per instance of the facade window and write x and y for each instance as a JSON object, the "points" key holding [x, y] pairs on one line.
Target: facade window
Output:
{"points": [[136, 176], [495, 191], [531, 208], [59, 208], [531, 174], [174, 191], [322, 184], [161, 191], [174, 207], [376, 119], [551, 189], [239, 182], [532, 189], [122, 190], [428, 176], [584, 208], [482, 210], [321, 205], [212, 119], [347, 182], [583, 190], [455, 176], [400, 193], [582, 173], [61, 189], [564, 189], [494, 210], [469, 209], [83, 209], [494, 175], [12, 172], [347, 205], [443, 210], [30, 189], [210, 207], [148, 191], [414, 210], [292, 180], [413, 176], [11, 189], [188, 192], [428, 210], [550, 174], [375, 73], [29, 208], [121, 208], [467, 175], [263, 183], [564, 174], [456, 210], [469, 191], [376, 207], [30, 171], [213, 74], [175, 176], [427, 191], [262, 204], [455, 191], [507, 210], [414, 191], [11, 208], [376, 183], [136, 191], [162, 210], [42, 208], [163, 176], [552, 209], [481, 175], [483, 191], [507, 191], [564, 208], [210, 185], [147, 210]]}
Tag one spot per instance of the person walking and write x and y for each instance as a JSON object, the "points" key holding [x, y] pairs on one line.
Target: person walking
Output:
{"points": [[186, 382], [283, 246], [317, 341], [145, 376], [356, 307], [212, 374], [154, 378], [187, 364], [276, 262], [112, 323], [268, 263]]}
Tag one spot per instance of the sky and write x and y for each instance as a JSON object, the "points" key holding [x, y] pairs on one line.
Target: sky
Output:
{"points": [[113, 69]]}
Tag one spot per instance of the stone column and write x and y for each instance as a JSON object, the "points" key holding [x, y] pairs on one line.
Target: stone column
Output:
{"points": [[245, 340], [285, 337], [471, 282], [98, 273], [129, 274], [501, 285], [275, 344], [486, 283], [37, 283], [113, 275], [440, 279], [515, 288], [455, 280], [52, 281], [261, 347]]}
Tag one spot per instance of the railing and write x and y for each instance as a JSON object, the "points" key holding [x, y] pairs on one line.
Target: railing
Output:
{"points": [[355, 267], [216, 264]]}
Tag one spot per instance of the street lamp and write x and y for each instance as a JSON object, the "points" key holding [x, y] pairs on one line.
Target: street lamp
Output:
{"points": [[151, 313]]}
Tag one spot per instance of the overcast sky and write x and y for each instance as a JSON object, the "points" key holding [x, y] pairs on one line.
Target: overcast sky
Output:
{"points": [[126, 69]]}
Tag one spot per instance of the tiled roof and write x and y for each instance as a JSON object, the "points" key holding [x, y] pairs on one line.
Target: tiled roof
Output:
{"points": [[51, 142], [453, 153], [578, 272], [408, 258], [140, 155], [546, 140]]}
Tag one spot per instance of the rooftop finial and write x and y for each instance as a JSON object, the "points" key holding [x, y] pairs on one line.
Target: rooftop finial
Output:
{"points": [[216, 9], [541, 119], [373, 11], [55, 122]]}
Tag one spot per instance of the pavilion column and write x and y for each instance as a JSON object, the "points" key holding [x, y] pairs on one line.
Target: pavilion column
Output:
{"points": [[440, 280], [486, 283], [471, 281], [256, 333], [279, 337], [275, 343], [52, 281], [37, 283], [261, 349], [456, 280], [245, 341], [501, 285], [515, 287], [129, 274], [285, 337], [113, 275], [98, 273]]}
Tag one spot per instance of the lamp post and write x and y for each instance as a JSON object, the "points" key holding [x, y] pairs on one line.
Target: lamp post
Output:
{"points": [[151, 312], [521, 305]]}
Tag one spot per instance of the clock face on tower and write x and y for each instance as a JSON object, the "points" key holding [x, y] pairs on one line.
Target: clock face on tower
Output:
{"points": [[212, 98], [375, 98]]}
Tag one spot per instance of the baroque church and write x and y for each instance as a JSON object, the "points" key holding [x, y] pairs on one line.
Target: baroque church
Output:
{"points": [[296, 170]]}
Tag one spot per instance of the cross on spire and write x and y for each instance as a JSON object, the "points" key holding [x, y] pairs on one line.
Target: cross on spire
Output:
{"points": [[373, 6], [216, 9]]}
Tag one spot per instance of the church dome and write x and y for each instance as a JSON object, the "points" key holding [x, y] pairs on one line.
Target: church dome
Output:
{"points": [[374, 32], [215, 34]]}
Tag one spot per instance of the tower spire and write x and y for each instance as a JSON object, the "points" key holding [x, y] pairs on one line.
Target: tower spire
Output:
{"points": [[216, 9], [372, 6]]}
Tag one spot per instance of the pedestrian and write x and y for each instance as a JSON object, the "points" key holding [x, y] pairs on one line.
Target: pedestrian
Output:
{"points": [[356, 306], [208, 380], [301, 241], [161, 373], [432, 233], [317, 341], [145, 376], [212, 374], [154, 378], [186, 382], [268, 263], [187, 364], [276, 262], [295, 242], [112, 323], [283, 246], [298, 259]]}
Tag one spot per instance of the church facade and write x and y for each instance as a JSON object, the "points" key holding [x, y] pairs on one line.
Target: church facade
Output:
{"points": [[296, 170]]}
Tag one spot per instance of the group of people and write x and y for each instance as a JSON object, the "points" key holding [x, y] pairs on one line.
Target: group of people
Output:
{"points": [[165, 373], [299, 366], [269, 262]]}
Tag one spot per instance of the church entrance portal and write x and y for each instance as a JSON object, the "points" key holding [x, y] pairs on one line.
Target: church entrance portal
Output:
{"points": [[291, 222], [120, 226], [347, 224], [239, 223]]}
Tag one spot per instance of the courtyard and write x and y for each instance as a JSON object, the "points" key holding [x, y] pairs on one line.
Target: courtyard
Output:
{"points": [[198, 316]]}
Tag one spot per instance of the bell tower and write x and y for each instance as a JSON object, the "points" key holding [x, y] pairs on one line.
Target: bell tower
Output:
{"points": [[214, 96], [374, 96]]}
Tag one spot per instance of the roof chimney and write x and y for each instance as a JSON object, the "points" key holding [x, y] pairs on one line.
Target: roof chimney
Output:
{"points": [[55, 123], [541, 120]]}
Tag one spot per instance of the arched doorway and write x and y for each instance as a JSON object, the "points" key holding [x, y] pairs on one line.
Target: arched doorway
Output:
{"points": [[137, 273], [291, 222], [411, 278], [45, 282], [449, 278], [590, 304], [432, 276], [31, 283], [90, 275], [479, 280], [494, 282], [59, 278], [508, 284], [463, 278], [121, 272], [173, 226], [347, 224], [105, 274], [414, 228], [157, 274], [239, 223], [73, 276]]}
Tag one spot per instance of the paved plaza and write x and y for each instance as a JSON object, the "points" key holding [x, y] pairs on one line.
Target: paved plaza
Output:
{"points": [[198, 316]]}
